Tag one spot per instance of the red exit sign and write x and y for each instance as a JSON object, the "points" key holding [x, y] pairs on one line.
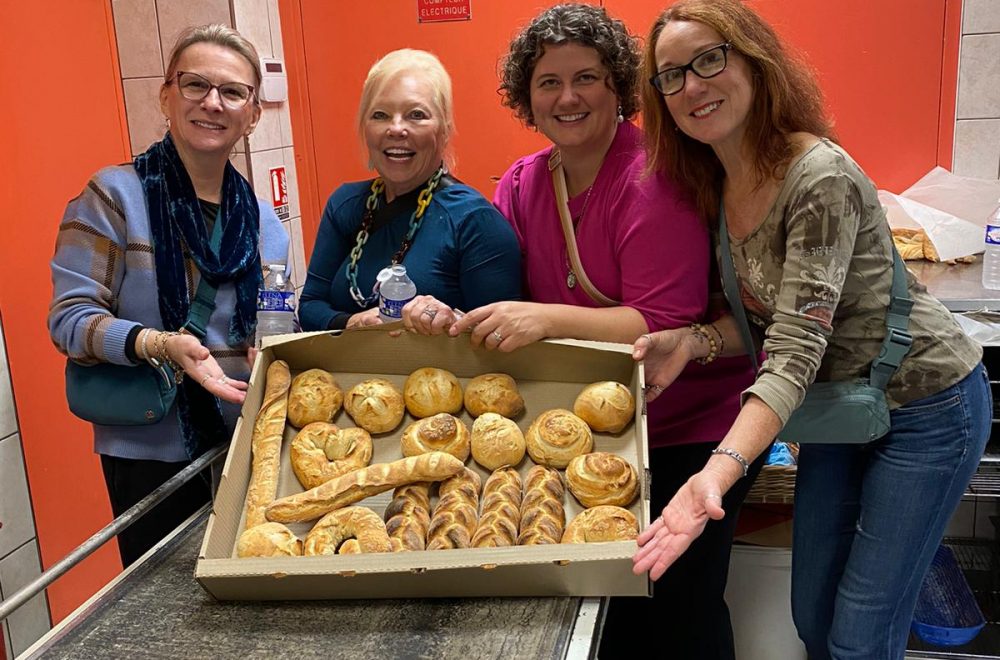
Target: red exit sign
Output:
{"points": [[437, 11]]}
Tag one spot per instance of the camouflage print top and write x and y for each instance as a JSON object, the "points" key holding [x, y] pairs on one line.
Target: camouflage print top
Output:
{"points": [[816, 276]]}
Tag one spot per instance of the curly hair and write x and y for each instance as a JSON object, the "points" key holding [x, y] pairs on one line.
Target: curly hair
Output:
{"points": [[786, 99], [586, 25]]}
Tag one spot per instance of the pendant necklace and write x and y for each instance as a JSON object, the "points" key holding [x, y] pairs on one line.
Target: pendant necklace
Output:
{"points": [[570, 275]]}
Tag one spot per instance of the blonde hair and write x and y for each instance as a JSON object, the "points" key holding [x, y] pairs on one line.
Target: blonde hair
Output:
{"points": [[220, 35], [418, 62]]}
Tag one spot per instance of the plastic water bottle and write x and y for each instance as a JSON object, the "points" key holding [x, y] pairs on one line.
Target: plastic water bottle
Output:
{"points": [[275, 305], [991, 256], [395, 290]]}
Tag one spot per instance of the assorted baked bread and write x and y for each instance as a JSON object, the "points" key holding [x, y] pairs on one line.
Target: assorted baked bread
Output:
{"points": [[601, 524], [493, 393], [429, 391], [375, 405], [556, 437], [606, 406], [496, 441], [314, 397], [442, 432], [602, 478]]}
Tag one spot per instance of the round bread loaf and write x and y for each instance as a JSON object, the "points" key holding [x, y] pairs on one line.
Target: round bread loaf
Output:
{"points": [[493, 393], [606, 406], [313, 397], [602, 478], [353, 522], [601, 524], [429, 391], [556, 437], [496, 441], [321, 451], [268, 540], [442, 432], [375, 405]]}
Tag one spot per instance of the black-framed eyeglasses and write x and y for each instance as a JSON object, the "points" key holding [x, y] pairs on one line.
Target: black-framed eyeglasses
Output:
{"points": [[706, 64], [194, 87]]}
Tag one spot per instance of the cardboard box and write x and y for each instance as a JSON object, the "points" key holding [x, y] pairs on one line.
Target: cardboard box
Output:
{"points": [[549, 375]]}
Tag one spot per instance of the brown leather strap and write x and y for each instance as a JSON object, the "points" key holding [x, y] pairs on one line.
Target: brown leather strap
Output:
{"points": [[562, 203]]}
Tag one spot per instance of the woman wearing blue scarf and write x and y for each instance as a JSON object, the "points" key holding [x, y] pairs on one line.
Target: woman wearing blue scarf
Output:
{"points": [[131, 252]]}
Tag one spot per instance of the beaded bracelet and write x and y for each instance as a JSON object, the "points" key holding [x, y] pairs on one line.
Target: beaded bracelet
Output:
{"points": [[713, 348], [735, 455], [722, 340]]}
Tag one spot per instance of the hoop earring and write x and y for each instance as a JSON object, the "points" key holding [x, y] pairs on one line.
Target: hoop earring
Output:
{"points": [[620, 118]]}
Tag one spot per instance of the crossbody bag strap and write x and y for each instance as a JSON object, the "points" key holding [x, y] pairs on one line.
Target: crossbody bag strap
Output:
{"points": [[562, 203], [732, 290], [203, 304]]}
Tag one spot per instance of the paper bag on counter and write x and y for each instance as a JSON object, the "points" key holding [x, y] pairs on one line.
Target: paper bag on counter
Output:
{"points": [[951, 209]]}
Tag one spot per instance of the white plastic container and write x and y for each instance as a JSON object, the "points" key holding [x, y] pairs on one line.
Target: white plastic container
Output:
{"points": [[759, 595]]}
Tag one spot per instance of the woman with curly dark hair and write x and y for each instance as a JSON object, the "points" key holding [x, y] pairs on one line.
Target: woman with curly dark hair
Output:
{"points": [[572, 75]]}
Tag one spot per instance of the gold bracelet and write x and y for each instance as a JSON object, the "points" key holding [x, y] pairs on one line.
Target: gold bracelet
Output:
{"points": [[713, 348], [164, 355], [143, 351]]}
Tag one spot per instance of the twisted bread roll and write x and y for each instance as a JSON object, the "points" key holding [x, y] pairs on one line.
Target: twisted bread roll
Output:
{"points": [[375, 405], [496, 441], [268, 540], [408, 516], [321, 451], [268, 428], [429, 391], [542, 513], [456, 514], [315, 397], [356, 486], [354, 522], [442, 432], [494, 393], [605, 406], [501, 513], [602, 478], [556, 436], [600, 524]]}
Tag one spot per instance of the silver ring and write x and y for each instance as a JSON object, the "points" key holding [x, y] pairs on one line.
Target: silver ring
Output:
{"points": [[223, 379], [430, 312], [655, 388], [205, 379], [497, 335]]}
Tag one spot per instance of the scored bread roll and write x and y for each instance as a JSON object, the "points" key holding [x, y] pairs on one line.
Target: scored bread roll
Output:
{"points": [[556, 437], [457, 512], [493, 393], [602, 478], [501, 514], [496, 441], [314, 397], [321, 451], [408, 516], [375, 405], [605, 406], [542, 514], [268, 540], [356, 486], [441, 432], [429, 391], [268, 429], [601, 524], [353, 522]]}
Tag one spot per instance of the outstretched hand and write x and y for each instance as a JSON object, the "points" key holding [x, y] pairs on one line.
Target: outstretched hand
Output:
{"points": [[682, 521], [199, 365], [665, 353]]}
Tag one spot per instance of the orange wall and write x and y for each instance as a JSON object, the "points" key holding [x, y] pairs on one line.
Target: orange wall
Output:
{"points": [[62, 119], [880, 64]]}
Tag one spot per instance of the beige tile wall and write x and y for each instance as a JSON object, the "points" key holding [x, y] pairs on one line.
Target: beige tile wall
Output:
{"points": [[977, 125], [146, 31]]}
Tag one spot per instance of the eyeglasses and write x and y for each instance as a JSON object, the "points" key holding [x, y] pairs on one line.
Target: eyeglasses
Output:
{"points": [[705, 65], [193, 87]]}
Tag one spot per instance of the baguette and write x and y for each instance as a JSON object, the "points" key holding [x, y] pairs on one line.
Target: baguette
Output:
{"points": [[268, 429], [457, 512], [359, 484]]}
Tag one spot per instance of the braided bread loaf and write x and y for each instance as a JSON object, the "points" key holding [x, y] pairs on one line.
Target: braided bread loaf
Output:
{"points": [[268, 429], [501, 513], [542, 513], [408, 516], [456, 514]]}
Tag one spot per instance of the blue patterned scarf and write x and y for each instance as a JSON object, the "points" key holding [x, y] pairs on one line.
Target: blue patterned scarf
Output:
{"points": [[177, 226]]}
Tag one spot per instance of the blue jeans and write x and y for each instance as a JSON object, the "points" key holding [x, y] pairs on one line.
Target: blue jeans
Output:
{"points": [[868, 519]]}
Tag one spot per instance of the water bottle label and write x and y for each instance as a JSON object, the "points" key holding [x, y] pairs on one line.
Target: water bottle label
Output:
{"points": [[392, 308], [279, 301], [993, 234]]}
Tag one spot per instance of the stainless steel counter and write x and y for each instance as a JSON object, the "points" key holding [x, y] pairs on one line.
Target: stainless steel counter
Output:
{"points": [[958, 286]]}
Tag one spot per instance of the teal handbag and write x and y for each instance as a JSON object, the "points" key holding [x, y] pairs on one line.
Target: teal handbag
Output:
{"points": [[837, 412]]}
